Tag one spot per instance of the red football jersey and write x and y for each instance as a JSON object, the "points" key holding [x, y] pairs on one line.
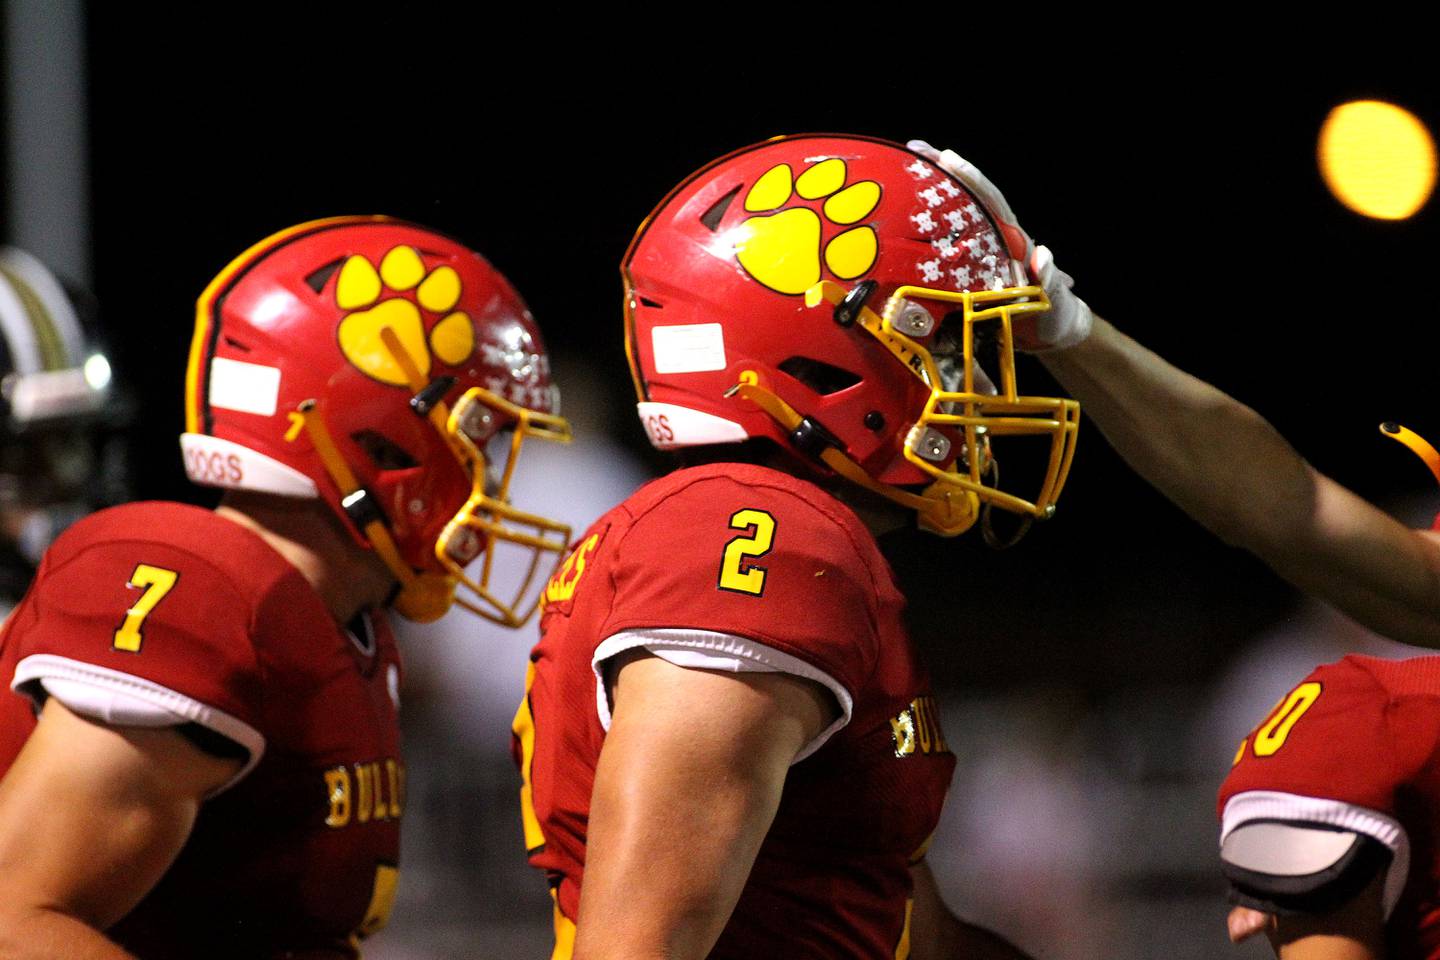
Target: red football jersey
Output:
{"points": [[1354, 748], [192, 613], [728, 556]]}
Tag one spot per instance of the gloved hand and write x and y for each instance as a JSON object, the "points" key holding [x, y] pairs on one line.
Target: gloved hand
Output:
{"points": [[1069, 320]]}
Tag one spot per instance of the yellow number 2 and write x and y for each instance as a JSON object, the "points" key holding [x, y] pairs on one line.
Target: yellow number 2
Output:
{"points": [[751, 579], [157, 581]]}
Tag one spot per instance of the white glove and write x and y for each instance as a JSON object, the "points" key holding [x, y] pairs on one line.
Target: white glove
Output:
{"points": [[1069, 320]]}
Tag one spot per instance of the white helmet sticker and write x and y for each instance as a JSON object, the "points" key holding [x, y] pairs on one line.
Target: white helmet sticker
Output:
{"points": [[688, 348], [246, 387]]}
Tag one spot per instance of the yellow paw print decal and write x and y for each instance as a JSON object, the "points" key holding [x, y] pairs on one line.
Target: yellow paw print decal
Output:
{"points": [[360, 289], [782, 250]]}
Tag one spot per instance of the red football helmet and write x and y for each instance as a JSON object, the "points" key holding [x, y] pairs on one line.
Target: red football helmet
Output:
{"points": [[385, 369], [827, 292]]}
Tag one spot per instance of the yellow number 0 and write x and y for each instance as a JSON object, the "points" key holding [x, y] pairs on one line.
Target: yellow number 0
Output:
{"points": [[157, 582], [1271, 737], [762, 537]]}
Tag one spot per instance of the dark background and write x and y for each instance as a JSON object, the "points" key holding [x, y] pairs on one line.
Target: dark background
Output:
{"points": [[1175, 177], [1096, 678]]}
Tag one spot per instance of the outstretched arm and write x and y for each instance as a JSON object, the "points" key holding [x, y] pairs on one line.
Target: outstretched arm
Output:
{"points": [[1219, 460], [1227, 467], [90, 817]]}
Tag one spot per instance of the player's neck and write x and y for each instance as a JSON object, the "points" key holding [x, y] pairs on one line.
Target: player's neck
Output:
{"points": [[347, 577]]}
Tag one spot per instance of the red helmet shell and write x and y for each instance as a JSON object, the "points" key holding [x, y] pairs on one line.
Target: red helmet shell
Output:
{"points": [[716, 275], [297, 319]]}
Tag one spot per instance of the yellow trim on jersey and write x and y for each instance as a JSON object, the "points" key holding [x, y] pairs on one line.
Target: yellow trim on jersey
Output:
{"points": [[564, 933], [902, 948], [523, 726]]}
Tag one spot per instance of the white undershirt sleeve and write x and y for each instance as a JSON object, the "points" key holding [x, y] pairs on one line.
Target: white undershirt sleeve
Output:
{"points": [[708, 650], [1255, 807], [122, 700]]}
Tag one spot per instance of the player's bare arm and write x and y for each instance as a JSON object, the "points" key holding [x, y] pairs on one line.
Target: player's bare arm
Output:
{"points": [[1220, 461], [1353, 932], [687, 786], [937, 934], [1231, 470], [91, 816]]}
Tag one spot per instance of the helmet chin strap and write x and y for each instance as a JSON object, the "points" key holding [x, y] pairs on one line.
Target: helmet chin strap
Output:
{"points": [[423, 597], [942, 508]]}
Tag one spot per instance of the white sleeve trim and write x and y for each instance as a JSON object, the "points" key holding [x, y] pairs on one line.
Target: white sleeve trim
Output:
{"points": [[1255, 805], [111, 696], [709, 650]]}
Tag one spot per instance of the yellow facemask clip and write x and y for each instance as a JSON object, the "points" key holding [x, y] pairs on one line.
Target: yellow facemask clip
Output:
{"points": [[527, 423]]}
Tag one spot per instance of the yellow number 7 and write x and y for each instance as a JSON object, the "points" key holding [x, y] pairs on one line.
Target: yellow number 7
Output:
{"points": [[157, 582], [762, 537]]}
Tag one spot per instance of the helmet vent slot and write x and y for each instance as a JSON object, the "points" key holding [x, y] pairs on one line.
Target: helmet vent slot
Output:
{"points": [[647, 302], [819, 376], [383, 452], [317, 280], [236, 344], [712, 217]]}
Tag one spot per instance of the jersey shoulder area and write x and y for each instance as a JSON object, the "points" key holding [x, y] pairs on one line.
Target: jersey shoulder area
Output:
{"points": [[157, 611], [1415, 676], [1340, 748], [753, 553], [1311, 810], [192, 534], [754, 487]]}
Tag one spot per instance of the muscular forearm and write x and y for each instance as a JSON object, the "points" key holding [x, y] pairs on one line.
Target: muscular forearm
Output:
{"points": [[43, 934], [1231, 470], [1216, 458]]}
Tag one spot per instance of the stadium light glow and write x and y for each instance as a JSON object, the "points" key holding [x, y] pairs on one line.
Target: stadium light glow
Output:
{"points": [[1377, 159]]}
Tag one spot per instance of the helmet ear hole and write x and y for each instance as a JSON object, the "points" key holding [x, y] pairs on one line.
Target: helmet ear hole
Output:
{"points": [[383, 452], [316, 281], [822, 377], [711, 218]]}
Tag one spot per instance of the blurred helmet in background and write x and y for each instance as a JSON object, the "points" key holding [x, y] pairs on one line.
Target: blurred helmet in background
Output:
{"points": [[61, 452]]}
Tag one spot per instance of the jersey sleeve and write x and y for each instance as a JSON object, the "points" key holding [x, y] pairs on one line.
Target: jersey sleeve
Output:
{"points": [[754, 562], [135, 633], [1309, 809]]}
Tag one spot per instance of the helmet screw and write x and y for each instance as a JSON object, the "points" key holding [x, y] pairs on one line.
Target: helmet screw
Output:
{"points": [[917, 320], [875, 420], [931, 445], [417, 505]]}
